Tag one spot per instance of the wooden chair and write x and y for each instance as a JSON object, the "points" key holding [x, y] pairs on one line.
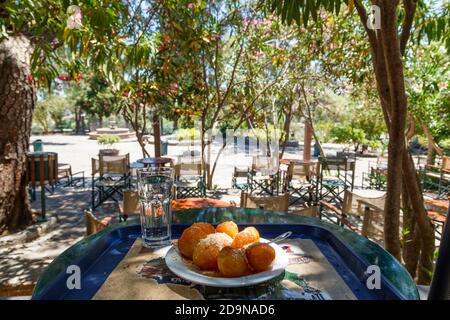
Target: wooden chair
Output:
{"points": [[300, 182], [93, 224], [240, 174], [65, 172], [274, 203], [336, 176], [113, 177], [130, 205], [43, 172], [264, 176], [437, 177], [190, 180], [312, 212], [362, 212]]}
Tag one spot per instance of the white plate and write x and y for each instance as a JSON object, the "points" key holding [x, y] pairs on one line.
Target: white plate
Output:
{"points": [[186, 270]]}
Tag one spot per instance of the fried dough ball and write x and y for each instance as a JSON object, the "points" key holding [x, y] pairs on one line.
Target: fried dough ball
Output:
{"points": [[247, 236], [232, 262], [189, 239], [228, 227], [207, 250], [260, 256], [207, 227]]}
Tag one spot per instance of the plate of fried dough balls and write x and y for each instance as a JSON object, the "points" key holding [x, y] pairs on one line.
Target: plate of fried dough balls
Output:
{"points": [[224, 256]]}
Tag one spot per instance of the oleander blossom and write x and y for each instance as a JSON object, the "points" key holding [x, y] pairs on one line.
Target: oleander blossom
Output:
{"points": [[443, 85], [74, 21]]}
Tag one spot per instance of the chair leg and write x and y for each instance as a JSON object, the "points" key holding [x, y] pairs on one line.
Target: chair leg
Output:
{"points": [[93, 195]]}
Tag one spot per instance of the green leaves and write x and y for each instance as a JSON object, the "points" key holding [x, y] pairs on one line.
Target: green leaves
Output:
{"points": [[301, 11]]}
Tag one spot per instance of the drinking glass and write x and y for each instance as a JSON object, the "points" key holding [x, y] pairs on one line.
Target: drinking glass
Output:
{"points": [[155, 189]]}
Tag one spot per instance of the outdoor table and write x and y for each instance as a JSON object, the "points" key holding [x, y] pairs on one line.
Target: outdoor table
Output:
{"points": [[115, 266], [298, 161], [186, 203], [155, 161], [437, 212], [198, 203]]}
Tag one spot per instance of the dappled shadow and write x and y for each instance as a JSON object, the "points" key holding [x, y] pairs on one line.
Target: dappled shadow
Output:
{"points": [[46, 143], [23, 263]]}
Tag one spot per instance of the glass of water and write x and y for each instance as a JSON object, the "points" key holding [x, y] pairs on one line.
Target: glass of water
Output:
{"points": [[155, 189]]}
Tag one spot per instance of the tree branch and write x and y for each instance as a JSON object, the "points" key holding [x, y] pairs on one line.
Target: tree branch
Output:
{"points": [[410, 10], [364, 18]]}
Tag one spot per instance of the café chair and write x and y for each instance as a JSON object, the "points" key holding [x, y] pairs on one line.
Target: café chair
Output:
{"points": [[362, 212], [264, 176], [300, 182], [312, 212], [72, 179], [437, 178], [336, 176], [130, 205], [93, 224], [275, 203], [110, 176], [190, 180], [240, 178]]}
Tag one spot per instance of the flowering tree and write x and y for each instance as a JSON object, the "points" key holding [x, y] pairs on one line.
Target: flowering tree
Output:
{"points": [[39, 40]]}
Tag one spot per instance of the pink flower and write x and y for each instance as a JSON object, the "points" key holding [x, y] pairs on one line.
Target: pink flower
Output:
{"points": [[246, 23], [443, 85], [75, 20]]}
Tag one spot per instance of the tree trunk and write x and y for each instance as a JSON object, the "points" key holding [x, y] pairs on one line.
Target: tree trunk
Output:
{"points": [[307, 141], [387, 56], [424, 224], [431, 154], [411, 237], [286, 129], [157, 135], [175, 123], [433, 147], [396, 148], [17, 101]]}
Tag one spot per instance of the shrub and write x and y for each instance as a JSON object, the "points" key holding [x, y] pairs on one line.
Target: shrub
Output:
{"points": [[187, 134], [108, 140]]}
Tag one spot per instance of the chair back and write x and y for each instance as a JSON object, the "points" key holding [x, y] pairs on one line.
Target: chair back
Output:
{"points": [[188, 169], [264, 164], [312, 212], [373, 225], [240, 172], [446, 163], [351, 205], [274, 203], [337, 164], [131, 205], [42, 169], [119, 165], [302, 171], [93, 224]]}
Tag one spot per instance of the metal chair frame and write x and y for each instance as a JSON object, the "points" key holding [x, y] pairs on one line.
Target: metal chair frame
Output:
{"points": [[334, 185], [195, 187], [240, 173], [114, 177], [301, 184]]}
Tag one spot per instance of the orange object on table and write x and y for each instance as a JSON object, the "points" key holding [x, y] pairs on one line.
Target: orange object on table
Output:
{"points": [[198, 203], [436, 205], [437, 216]]}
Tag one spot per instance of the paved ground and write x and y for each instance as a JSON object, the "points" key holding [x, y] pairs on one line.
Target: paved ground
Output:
{"points": [[78, 151], [23, 263]]}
